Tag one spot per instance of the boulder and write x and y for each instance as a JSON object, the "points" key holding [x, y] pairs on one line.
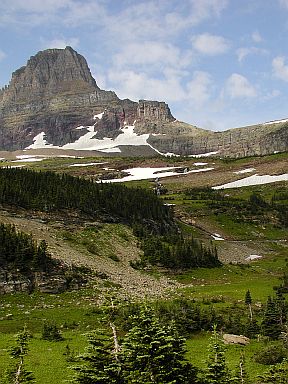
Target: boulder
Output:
{"points": [[235, 339]]}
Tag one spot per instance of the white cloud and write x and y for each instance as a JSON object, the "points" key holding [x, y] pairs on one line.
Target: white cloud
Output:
{"points": [[210, 44], [33, 13], [237, 86], [256, 37], [280, 70], [149, 53], [138, 85], [199, 88], [36, 6], [272, 94], [204, 9], [283, 3], [2, 55], [243, 52], [61, 43]]}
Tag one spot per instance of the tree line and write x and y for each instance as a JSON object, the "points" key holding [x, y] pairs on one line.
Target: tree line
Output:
{"points": [[152, 221], [48, 191], [18, 250], [255, 208]]}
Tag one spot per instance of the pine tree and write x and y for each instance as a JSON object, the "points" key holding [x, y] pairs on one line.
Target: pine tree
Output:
{"points": [[248, 302], [217, 371], [252, 329], [154, 353], [281, 306], [271, 321], [241, 376], [16, 373], [99, 364]]}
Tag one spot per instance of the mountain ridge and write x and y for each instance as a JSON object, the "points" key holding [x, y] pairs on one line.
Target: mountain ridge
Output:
{"points": [[55, 94]]}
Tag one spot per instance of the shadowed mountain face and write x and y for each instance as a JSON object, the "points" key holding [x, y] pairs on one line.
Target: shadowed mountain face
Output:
{"points": [[55, 93]]}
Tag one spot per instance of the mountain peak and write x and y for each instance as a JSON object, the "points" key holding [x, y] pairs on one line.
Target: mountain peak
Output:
{"points": [[51, 72]]}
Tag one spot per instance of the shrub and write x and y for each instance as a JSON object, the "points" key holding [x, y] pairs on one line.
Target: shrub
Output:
{"points": [[271, 355], [51, 332]]}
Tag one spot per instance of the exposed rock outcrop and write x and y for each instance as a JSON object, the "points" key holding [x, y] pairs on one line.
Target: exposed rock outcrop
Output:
{"points": [[235, 339], [55, 93], [45, 282]]}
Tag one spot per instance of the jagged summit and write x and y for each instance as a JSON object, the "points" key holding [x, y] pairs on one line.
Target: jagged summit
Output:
{"points": [[50, 72], [52, 101]]}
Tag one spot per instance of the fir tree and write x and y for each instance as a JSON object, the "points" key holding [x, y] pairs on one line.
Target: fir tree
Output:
{"points": [[99, 364], [241, 376], [248, 302], [16, 373], [217, 371], [154, 353], [271, 321]]}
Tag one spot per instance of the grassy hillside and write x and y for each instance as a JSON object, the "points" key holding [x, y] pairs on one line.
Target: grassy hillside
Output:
{"points": [[250, 220]]}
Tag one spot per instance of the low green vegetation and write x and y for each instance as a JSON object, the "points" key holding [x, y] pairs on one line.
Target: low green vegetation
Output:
{"points": [[126, 341]]}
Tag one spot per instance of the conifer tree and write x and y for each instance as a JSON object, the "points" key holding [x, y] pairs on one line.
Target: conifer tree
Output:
{"points": [[248, 302], [17, 373], [99, 364], [217, 370], [154, 353], [241, 376], [271, 321]]}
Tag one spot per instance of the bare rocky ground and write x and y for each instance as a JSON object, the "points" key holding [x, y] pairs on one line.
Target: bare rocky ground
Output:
{"points": [[122, 278]]}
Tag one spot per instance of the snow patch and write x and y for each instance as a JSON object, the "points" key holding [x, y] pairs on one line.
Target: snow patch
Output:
{"points": [[40, 142], [99, 116], [200, 164], [85, 164], [204, 154], [253, 180], [151, 173], [245, 171], [216, 236], [275, 122], [28, 160], [253, 257], [89, 142], [111, 150]]}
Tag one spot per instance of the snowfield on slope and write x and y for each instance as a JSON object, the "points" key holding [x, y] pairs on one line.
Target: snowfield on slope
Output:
{"points": [[89, 142], [253, 180], [152, 173]]}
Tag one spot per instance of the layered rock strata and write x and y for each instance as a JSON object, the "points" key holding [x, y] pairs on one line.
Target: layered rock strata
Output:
{"points": [[55, 93]]}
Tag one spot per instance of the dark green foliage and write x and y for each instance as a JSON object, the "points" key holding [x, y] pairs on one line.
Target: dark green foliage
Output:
{"points": [[19, 250], [150, 353], [240, 376], [255, 209], [278, 374], [51, 332], [252, 329], [16, 373], [155, 353], [178, 252], [248, 298], [271, 354], [217, 371], [188, 316], [48, 191], [271, 324], [99, 363], [248, 302]]}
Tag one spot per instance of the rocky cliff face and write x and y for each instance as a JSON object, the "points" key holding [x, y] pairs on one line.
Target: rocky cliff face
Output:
{"points": [[55, 93]]}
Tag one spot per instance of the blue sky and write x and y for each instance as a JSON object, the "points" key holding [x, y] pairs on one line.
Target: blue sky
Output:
{"points": [[217, 63]]}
